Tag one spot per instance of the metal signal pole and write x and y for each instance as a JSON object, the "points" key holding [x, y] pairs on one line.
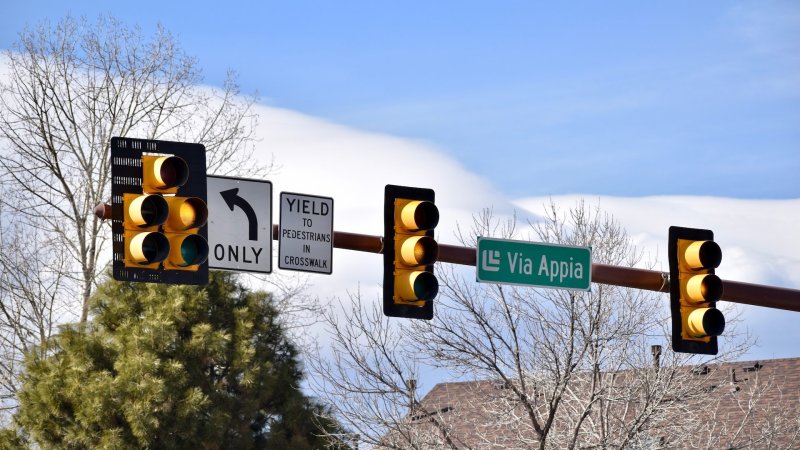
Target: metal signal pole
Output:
{"points": [[651, 280]]}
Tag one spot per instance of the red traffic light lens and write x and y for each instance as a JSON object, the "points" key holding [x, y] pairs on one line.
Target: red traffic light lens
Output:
{"points": [[173, 171], [163, 173], [703, 255], [418, 215]]}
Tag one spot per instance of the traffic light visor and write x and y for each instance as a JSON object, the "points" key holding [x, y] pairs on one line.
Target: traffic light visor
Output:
{"points": [[416, 285], [419, 251], [704, 288], [147, 210], [149, 248], [702, 255], [188, 250], [426, 286], [164, 172], [186, 213], [703, 322], [418, 215]]}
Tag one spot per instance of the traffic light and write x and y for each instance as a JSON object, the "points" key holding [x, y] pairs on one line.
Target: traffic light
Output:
{"points": [[159, 211], [694, 290], [409, 252]]}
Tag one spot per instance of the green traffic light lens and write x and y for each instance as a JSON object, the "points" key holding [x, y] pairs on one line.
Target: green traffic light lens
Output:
{"points": [[188, 253], [426, 286], [194, 250]]}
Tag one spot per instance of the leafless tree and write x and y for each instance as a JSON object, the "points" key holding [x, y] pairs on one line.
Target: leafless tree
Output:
{"points": [[67, 90], [556, 368], [368, 378]]}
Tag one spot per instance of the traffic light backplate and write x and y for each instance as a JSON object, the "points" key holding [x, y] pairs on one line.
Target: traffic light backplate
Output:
{"points": [[128, 156], [694, 290], [401, 278]]}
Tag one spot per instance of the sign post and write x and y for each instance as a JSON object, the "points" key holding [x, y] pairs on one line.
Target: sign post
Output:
{"points": [[306, 233], [239, 224], [534, 264]]}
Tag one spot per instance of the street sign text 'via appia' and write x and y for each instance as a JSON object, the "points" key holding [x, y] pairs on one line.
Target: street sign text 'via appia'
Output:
{"points": [[534, 264]]}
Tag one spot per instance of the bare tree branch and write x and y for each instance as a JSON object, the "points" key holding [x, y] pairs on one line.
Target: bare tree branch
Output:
{"points": [[553, 368], [70, 87]]}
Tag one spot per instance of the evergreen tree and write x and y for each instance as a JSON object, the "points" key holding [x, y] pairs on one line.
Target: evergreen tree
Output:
{"points": [[164, 366]]}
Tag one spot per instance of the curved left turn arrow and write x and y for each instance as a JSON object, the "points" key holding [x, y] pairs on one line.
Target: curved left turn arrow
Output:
{"points": [[232, 198]]}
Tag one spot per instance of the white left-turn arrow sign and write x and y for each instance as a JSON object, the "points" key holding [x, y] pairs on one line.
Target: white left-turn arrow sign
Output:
{"points": [[239, 224]]}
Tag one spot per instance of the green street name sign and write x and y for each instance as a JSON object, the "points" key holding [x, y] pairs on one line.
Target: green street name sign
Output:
{"points": [[534, 264]]}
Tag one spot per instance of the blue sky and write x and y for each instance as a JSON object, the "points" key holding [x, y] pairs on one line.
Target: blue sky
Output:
{"points": [[623, 98], [507, 103]]}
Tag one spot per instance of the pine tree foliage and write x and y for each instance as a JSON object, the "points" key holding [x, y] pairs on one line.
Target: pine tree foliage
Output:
{"points": [[165, 366]]}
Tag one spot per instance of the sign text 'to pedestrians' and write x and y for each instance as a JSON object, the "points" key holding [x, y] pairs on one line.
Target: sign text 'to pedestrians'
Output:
{"points": [[306, 233], [239, 224], [534, 264]]}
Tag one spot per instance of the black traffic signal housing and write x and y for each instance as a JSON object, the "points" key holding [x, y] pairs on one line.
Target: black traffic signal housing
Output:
{"points": [[159, 211], [409, 252], [694, 290]]}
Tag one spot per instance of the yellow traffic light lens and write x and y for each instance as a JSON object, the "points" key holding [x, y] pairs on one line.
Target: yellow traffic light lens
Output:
{"points": [[188, 250], [419, 215], [704, 322], [186, 213], [419, 251], [703, 255], [149, 248], [148, 210], [704, 288]]}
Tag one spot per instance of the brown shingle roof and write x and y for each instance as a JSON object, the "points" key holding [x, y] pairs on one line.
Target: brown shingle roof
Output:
{"points": [[751, 403]]}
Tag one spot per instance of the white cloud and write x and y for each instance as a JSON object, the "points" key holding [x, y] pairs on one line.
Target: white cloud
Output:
{"points": [[758, 240], [321, 158], [758, 237], [317, 157], [755, 235]]}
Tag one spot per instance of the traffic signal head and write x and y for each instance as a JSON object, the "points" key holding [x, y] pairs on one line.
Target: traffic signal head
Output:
{"points": [[409, 252], [145, 246], [187, 248], [159, 211], [694, 290]]}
